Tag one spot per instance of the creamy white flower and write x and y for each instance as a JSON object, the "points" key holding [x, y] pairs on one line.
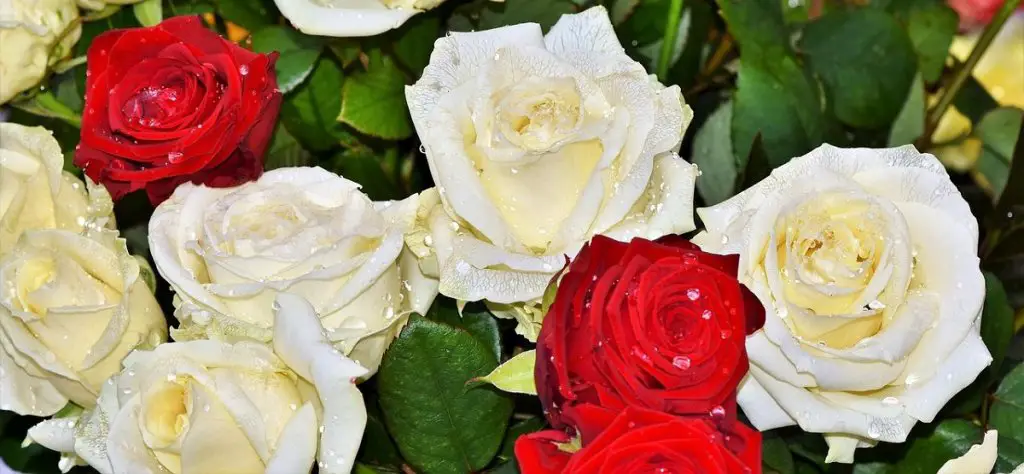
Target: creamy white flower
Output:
{"points": [[979, 459], [227, 252], [214, 407], [346, 18], [30, 30], [537, 143], [866, 261], [72, 306], [35, 192]]}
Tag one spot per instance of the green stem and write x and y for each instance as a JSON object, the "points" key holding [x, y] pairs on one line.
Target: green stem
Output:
{"points": [[46, 104], [964, 72], [668, 43]]}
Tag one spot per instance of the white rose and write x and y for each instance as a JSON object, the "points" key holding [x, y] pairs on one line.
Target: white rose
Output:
{"points": [[213, 407], [29, 32], [536, 144], [35, 192], [227, 252], [866, 261], [72, 307], [346, 18]]}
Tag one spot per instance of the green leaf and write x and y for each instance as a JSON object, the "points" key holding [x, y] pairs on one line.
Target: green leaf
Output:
{"points": [[478, 322], [758, 27], [775, 454], [189, 7], [249, 14], [931, 25], [909, 124], [527, 426], [45, 104], [950, 439], [488, 14], [780, 103], [1010, 454], [309, 111], [285, 151], [623, 10], [439, 425], [149, 12], [415, 42], [378, 174], [377, 447], [1007, 411], [998, 133], [373, 101], [645, 23], [515, 375], [973, 100], [872, 468], [712, 153], [775, 97], [996, 323], [298, 54], [866, 62]]}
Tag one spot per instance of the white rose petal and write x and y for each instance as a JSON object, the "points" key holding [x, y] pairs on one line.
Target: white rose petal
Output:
{"points": [[35, 192], [346, 18], [72, 307], [979, 459], [229, 252], [537, 143], [866, 261], [29, 31], [211, 406]]}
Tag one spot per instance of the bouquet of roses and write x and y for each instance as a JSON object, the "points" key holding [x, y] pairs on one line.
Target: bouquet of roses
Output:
{"points": [[245, 236]]}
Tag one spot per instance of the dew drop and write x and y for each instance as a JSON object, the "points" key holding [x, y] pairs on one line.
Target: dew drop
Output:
{"points": [[706, 315], [681, 362], [693, 294]]}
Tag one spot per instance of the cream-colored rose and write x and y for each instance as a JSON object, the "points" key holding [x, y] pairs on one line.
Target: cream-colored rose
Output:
{"points": [[35, 193], [999, 71], [30, 30], [227, 252], [72, 306], [537, 143], [347, 18], [213, 407], [866, 262]]}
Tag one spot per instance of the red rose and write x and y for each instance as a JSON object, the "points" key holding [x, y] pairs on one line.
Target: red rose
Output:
{"points": [[640, 441], [659, 325], [175, 103], [976, 12]]}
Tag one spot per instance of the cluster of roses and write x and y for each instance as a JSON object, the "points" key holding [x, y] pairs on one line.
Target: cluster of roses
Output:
{"points": [[863, 263], [639, 359]]}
